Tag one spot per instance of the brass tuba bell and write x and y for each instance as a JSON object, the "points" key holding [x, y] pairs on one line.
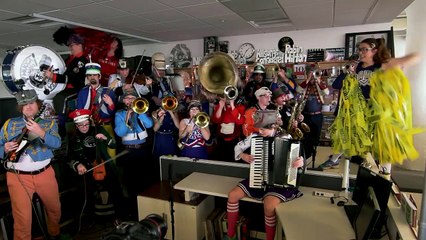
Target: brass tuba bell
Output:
{"points": [[218, 71], [140, 105]]}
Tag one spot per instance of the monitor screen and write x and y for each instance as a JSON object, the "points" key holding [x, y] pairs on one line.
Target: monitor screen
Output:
{"points": [[381, 186], [368, 216]]}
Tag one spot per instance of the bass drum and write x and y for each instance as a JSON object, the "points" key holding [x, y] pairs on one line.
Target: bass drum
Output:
{"points": [[23, 67]]}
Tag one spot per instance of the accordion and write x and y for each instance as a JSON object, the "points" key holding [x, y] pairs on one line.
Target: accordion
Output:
{"points": [[273, 160]]}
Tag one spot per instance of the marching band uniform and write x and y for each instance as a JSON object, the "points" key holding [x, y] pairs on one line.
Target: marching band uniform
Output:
{"points": [[271, 196], [229, 119], [312, 113], [252, 86], [96, 98], [248, 127], [165, 138], [82, 155], [137, 163], [193, 138], [32, 172], [74, 76]]}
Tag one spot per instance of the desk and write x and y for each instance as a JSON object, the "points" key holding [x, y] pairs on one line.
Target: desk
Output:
{"points": [[311, 217], [308, 217], [209, 184]]}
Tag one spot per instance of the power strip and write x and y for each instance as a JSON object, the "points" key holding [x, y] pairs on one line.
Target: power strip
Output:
{"points": [[323, 194]]}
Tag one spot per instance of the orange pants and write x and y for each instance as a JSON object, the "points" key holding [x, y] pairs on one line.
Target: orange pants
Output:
{"points": [[21, 189]]}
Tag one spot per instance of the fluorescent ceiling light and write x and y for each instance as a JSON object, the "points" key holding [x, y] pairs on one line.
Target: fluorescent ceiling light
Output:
{"points": [[92, 27]]}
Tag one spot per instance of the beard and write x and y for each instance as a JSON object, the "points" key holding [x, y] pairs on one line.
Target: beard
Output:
{"points": [[93, 81]]}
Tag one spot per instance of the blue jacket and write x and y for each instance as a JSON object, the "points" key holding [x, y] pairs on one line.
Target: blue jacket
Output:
{"points": [[124, 131], [38, 149], [83, 101]]}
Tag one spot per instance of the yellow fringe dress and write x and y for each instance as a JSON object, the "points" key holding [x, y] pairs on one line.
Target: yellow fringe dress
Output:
{"points": [[390, 116], [349, 131]]}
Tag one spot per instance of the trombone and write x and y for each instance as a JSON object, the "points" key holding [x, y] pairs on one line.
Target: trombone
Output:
{"points": [[201, 119], [169, 103], [139, 105]]}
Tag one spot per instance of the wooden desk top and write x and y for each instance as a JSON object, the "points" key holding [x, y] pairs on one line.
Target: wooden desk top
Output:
{"points": [[210, 184], [312, 217], [308, 217]]}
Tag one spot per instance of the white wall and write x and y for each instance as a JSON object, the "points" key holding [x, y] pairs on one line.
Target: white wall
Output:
{"points": [[315, 38]]}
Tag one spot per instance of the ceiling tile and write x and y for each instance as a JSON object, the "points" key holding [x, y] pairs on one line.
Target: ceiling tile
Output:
{"points": [[95, 11], [206, 10], [166, 16], [137, 6], [182, 3]]}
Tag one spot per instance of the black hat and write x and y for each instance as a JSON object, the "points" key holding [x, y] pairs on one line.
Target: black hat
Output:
{"points": [[76, 39]]}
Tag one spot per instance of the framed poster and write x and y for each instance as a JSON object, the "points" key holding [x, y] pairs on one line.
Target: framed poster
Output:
{"points": [[352, 41], [211, 44]]}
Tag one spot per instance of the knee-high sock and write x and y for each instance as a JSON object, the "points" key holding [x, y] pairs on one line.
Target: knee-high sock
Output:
{"points": [[270, 223], [232, 214]]}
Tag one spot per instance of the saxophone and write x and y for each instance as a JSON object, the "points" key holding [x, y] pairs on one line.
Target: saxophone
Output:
{"points": [[296, 132]]}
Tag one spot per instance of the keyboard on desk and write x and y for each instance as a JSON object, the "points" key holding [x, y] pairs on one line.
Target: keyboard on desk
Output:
{"points": [[352, 212]]}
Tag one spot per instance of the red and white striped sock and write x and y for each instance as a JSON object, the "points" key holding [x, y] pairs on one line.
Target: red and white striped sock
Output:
{"points": [[232, 214]]}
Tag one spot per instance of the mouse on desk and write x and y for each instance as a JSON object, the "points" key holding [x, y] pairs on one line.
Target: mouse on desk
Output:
{"points": [[340, 203]]}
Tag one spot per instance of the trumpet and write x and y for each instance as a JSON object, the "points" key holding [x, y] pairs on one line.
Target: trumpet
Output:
{"points": [[169, 103], [349, 67], [317, 73]]}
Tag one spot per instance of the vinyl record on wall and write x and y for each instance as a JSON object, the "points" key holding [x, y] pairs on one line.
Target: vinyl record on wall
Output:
{"points": [[285, 41]]}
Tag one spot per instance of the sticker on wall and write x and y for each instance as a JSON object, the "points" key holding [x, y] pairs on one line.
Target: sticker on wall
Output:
{"points": [[180, 56]]}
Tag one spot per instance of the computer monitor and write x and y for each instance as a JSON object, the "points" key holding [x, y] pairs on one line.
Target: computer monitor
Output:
{"points": [[368, 216], [381, 186]]}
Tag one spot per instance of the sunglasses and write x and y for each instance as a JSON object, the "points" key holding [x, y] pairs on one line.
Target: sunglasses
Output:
{"points": [[83, 125], [364, 49]]}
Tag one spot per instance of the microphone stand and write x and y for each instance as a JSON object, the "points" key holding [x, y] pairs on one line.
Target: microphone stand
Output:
{"points": [[171, 200]]}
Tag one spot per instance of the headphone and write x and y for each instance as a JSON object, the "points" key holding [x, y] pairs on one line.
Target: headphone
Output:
{"points": [[341, 202]]}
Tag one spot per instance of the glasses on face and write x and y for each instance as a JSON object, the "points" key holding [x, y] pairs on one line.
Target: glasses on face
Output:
{"points": [[364, 49], [83, 125]]}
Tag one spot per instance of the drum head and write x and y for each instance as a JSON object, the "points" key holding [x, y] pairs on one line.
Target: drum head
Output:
{"points": [[23, 67]]}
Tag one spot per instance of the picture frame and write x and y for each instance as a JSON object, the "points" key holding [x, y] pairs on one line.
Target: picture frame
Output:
{"points": [[352, 40], [211, 44]]}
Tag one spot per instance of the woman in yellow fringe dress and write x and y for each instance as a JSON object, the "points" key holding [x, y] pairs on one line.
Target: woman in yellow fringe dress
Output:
{"points": [[382, 124]]}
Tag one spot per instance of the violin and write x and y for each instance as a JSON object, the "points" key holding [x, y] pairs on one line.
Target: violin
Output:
{"points": [[138, 78], [99, 171]]}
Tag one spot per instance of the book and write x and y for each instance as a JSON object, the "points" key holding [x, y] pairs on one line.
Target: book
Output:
{"points": [[209, 224], [409, 207]]}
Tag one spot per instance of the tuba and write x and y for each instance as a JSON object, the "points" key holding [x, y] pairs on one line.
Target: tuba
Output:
{"points": [[217, 72]]}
